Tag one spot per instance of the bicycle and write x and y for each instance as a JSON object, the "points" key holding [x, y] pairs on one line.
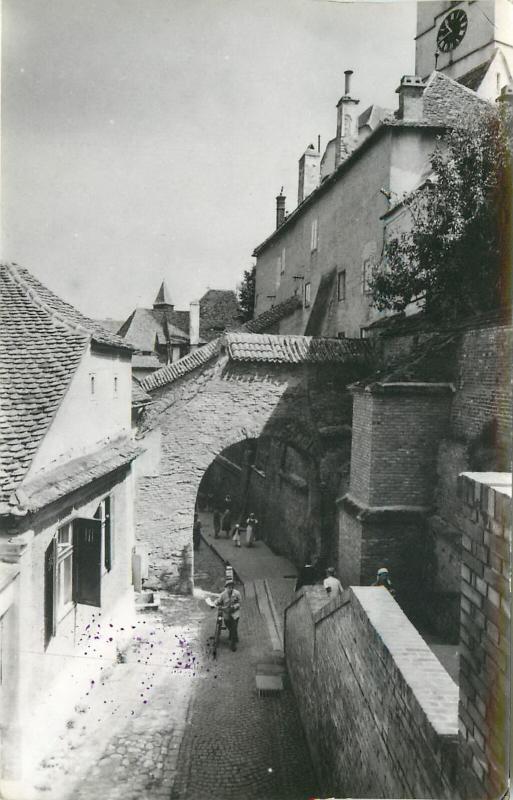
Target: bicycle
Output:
{"points": [[220, 626]]}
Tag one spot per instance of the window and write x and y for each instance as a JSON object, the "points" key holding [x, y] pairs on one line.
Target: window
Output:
{"points": [[92, 384], [314, 235], [342, 285], [104, 515], [341, 335], [72, 571], [64, 575], [307, 294], [347, 125], [115, 385], [278, 271], [366, 275], [363, 333], [283, 256]]}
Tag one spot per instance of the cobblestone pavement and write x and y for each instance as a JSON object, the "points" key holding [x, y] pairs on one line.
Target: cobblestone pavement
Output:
{"points": [[237, 744], [123, 738], [170, 722]]}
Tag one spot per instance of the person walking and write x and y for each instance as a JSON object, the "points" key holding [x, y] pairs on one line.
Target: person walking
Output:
{"points": [[216, 521], [229, 602], [331, 584], [226, 522], [251, 524], [383, 579], [196, 533], [236, 535]]}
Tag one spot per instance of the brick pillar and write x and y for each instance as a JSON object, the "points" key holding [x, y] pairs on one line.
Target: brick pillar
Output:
{"points": [[397, 428], [484, 517]]}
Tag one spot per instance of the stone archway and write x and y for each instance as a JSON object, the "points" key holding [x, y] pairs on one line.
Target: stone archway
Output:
{"points": [[248, 385]]}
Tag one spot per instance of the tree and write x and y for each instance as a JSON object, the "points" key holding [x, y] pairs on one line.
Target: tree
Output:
{"points": [[454, 258], [246, 293]]}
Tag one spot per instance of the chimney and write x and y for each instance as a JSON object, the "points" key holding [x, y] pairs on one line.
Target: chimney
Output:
{"points": [[280, 208], [347, 121], [194, 325], [309, 173], [410, 91]]}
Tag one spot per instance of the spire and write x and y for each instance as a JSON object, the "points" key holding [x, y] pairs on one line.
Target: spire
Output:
{"points": [[163, 298]]}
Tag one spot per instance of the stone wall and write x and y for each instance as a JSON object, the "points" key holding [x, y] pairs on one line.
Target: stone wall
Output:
{"points": [[378, 709], [484, 518], [302, 410]]}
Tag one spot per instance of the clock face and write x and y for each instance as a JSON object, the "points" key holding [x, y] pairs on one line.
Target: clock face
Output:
{"points": [[452, 30]]}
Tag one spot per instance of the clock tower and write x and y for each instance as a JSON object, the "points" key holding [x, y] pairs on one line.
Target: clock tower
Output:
{"points": [[471, 42]]}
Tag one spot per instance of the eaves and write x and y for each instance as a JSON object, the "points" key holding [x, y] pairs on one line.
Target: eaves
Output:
{"points": [[335, 176]]}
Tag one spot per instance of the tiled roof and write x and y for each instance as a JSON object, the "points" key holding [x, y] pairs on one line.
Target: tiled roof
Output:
{"points": [[144, 325], [42, 340], [181, 367], [447, 102], [291, 349], [273, 315], [53, 484], [204, 354], [68, 313]]}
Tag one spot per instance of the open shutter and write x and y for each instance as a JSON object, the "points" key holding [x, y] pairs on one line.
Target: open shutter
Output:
{"points": [[87, 560], [108, 534], [50, 571]]}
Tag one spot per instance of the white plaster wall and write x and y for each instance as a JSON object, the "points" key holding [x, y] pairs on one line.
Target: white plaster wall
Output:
{"points": [[409, 160], [84, 420], [52, 680]]}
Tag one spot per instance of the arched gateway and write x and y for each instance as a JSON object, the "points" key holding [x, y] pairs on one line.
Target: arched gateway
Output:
{"points": [[292, 389]]}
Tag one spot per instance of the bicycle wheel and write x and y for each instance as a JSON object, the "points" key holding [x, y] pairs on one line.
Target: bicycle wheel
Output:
{"points": [[217, 636]]}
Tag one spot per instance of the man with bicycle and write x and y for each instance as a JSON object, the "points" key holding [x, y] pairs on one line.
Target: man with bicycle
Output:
{"points": [[229, 603]]}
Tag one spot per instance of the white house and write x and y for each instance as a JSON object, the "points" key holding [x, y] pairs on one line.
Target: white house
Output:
{"points": [[66, 509]]}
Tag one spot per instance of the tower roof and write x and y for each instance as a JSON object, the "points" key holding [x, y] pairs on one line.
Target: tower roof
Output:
{"points": [[163, 297]]}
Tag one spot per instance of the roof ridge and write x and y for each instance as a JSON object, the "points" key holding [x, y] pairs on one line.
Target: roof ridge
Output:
{"points": [[36, 298], [69, 317]]}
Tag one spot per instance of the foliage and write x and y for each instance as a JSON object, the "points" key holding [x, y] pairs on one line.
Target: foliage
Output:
{"points": [[454, 257], [246, 293]]}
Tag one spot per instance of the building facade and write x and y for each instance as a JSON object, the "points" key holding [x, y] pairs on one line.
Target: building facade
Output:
{"points": [[325, 250], [161, 335], [66, 511]]}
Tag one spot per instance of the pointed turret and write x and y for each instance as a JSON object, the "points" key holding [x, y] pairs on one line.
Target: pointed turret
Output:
{"points": [[163, 298]]}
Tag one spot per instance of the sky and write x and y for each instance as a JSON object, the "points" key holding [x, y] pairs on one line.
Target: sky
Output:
{"points": [[146, 140]]}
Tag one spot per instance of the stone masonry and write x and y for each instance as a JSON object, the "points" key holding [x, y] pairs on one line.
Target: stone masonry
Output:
{"points": [[378, 709], [196, 417], [485, 522]]}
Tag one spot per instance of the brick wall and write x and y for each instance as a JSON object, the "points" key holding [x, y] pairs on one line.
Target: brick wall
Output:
{"points": [[484, 518], [378, 709], [395, 442]]}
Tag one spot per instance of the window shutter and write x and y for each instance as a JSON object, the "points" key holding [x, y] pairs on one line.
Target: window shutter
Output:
{"points": [[50, 571], [108, 534], [87, 560]]}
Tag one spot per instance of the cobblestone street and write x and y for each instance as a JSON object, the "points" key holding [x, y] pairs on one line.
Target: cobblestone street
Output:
{"points": [[170, 722], [237, 744]]}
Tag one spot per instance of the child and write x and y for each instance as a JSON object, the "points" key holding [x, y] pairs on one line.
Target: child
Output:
{"points": [[236, 535]]}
